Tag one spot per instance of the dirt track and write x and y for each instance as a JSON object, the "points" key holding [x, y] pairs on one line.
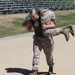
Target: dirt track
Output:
{"points": [[16, 55]]}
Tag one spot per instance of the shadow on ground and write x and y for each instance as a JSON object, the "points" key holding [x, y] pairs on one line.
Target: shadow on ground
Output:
{"points": [[22, 71]]}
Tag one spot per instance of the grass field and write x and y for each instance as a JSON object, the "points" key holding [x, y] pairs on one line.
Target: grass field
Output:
{"points": [[12, 24]]}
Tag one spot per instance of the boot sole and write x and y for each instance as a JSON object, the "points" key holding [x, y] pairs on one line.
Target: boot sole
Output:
{"points": [[67, 35], [73, 29]]}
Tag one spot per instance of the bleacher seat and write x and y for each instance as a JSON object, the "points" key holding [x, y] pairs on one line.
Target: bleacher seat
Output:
{"points": [[19, 6]]}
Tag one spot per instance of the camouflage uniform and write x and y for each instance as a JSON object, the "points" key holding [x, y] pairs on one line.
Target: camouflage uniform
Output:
{"points": [[41, 41], [46, 17], [47, 45]]}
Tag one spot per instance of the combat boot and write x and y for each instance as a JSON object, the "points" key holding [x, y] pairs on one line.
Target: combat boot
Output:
{"points": [[34, 72], [71, 30], [65, 31], [51, 71]]}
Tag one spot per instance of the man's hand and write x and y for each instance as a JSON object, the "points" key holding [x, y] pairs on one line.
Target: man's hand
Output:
{"points": [[51, 25], [44, 26], [27, 25]]}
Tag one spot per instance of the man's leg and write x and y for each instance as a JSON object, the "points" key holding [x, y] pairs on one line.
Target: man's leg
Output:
{"points": [[36, 55], [48, 47], [57, 31]]}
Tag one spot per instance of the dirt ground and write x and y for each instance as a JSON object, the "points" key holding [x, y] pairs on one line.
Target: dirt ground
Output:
{"points": [[16, 55]]}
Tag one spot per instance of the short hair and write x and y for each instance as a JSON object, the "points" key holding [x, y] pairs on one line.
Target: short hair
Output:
{"points": [[32, 11]]}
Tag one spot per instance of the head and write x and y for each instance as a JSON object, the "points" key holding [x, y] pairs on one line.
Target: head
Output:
{"points": [[34, 15]]}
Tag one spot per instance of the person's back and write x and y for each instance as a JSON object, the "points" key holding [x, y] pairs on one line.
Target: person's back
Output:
{"points": [[48, 25], [47, 16]]}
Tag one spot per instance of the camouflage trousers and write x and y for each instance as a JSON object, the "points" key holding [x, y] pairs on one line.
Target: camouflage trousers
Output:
{"points": [[45, 43], [52, 32]]}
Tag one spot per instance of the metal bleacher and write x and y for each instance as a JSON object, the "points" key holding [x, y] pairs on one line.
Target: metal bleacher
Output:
{"points": [[23, 6], [13, 6]]}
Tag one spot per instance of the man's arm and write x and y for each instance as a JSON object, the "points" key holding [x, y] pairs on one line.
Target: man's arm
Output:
{"points": [[28, 28], [27, 25], [51, 25], [48, 20], [53, 20]]}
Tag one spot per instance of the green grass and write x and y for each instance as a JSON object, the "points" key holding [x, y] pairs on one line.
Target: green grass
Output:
{"points": [[65, 20], [18, 22], [9, 31], [12, 30], [18, 29]]}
